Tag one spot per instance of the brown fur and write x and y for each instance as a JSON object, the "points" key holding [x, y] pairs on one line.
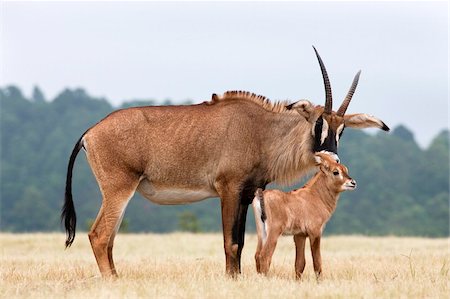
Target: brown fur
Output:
{"points": [[302, 213], [227, 147]]}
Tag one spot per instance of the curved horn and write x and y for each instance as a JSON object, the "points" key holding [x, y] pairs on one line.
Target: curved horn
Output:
{"points": [[349, 96], [326, 82]]}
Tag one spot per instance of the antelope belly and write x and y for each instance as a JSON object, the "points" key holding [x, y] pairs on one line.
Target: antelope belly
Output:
{"points": [[291, 232], [174, 196]]}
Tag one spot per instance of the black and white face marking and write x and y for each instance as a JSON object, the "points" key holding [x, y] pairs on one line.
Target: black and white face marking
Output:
{"points": [[339, 132], [325, 140]]}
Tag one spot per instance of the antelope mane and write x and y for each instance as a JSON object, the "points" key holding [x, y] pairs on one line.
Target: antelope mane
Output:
{"points": [[277, 107]]}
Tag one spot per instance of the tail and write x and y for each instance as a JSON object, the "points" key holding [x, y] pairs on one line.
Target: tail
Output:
{"points": [[260, 215], [68, 215], [259, 196]]}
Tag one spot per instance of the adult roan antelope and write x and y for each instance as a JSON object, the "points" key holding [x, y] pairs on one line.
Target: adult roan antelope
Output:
{"points": [[227, 147], [301, 213]]}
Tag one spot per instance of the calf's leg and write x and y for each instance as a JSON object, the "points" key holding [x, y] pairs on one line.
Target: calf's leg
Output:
{"points": [[315, 250], [267, 251], [259, 242], [299, 255], [260, 234]]}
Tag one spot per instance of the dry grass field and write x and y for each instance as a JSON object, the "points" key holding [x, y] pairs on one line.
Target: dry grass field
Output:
{"points": [[182, 265]]}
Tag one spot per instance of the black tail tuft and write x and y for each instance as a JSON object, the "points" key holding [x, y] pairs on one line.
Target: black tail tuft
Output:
{"points": [[68, 215]]}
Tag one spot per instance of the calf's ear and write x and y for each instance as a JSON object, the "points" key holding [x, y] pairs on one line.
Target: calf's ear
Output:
{"points": [[362, 120], [323, 160], [318, 159]]}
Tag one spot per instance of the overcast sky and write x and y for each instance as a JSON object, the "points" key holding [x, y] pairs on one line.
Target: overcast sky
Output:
{"points": [[188, 50]]}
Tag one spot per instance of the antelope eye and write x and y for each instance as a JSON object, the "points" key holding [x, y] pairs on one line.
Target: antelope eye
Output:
{"points": [[336, 172]]}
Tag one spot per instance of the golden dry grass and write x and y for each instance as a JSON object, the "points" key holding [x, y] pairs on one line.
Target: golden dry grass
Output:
{"points": [[182, 265]]}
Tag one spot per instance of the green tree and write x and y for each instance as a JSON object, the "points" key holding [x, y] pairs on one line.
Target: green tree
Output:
{"points": [[402, 188], [37, 96], [187, 221]]}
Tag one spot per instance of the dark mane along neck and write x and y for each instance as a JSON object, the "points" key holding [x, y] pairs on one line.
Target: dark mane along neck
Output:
{"points": [[277, 107]]}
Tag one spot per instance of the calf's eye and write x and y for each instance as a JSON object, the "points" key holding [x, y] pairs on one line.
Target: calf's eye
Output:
{"points": [[336, 172]]}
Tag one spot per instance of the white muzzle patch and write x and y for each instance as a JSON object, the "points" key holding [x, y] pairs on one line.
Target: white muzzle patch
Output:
{"points": [[350, 185]]}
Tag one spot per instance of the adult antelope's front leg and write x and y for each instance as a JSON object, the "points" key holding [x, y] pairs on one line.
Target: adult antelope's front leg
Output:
{"points": [[246, 198], [229, 195], [240, 222]]}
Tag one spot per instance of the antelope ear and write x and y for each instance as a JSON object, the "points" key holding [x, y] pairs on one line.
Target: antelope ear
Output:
{"points": [[362, 120], [318, 159], [304, 108], [214, 97], [322, 159]]}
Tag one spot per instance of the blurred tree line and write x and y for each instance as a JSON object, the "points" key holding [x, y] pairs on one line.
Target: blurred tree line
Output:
{"points": [[403, 189]]}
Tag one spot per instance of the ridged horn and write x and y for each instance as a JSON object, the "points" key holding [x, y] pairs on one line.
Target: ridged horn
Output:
{"points": [[349, 96], [326, 82]]}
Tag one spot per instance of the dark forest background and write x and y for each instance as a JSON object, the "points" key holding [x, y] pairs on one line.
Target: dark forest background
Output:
{"points": [[403, 189]]}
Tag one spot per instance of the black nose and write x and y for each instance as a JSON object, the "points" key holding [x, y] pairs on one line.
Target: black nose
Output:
{"points": [[353, 182]]}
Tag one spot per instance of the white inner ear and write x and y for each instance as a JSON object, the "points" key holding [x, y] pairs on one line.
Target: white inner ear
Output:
{"points": [[338, 132], [318, 159], [324, 131], [362, 121]]}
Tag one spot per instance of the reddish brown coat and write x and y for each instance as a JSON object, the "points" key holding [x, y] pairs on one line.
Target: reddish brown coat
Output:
{"points": [[302, 213]]}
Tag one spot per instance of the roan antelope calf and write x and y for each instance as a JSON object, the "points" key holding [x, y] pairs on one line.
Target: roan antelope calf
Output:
{"points": [[302, 213]]}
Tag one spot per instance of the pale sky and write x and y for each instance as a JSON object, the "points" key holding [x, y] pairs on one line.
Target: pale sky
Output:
{"points": [[189, 50]]}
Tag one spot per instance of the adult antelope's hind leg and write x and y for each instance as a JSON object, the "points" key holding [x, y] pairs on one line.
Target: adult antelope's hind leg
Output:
{"points": [[97, 229], [299, 255], [115, 199], [111, 244]]}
